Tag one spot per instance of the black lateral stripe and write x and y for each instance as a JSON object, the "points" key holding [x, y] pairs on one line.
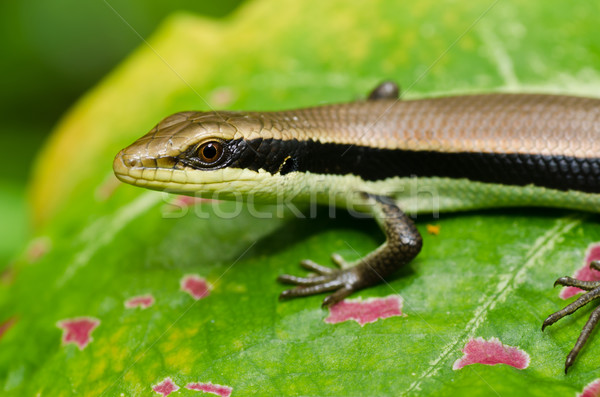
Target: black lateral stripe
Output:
{"points": [[373, 164]]}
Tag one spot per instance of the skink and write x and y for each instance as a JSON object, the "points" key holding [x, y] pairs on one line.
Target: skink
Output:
{"points": [[384, 156]]}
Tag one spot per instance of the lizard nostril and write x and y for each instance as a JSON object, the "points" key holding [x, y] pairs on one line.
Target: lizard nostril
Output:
{"points": [[123, 163], [131, 162]]}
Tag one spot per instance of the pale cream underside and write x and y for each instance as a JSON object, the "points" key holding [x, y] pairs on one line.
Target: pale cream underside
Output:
{"points": [[414, 195]]}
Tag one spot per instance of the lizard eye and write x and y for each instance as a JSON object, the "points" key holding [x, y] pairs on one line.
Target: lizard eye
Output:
{"points": [[210, 152]]}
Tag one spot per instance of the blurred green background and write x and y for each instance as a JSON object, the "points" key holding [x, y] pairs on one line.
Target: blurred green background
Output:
{"points": [[53, 52]]}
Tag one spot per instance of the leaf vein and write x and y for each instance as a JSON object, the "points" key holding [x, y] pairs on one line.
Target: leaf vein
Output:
{"points": [[509, 281]]}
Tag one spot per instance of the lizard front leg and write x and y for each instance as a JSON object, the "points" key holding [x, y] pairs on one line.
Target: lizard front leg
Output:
{"points": [[403, 243]]}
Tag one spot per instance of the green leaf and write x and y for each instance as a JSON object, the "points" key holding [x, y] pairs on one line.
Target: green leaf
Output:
{"points": [[487, 274]]}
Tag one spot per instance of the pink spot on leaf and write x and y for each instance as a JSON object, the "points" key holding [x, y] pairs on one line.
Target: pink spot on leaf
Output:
{"points": [[142, 301], [367, 311], [195, 285], [165, 387], [78, 330], [592, 389], [492, 352], [584, 272], [6, 325], [219, 390], [37, 249]]}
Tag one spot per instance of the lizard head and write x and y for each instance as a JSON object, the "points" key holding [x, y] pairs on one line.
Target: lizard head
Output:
{"points": [[200, 153]]}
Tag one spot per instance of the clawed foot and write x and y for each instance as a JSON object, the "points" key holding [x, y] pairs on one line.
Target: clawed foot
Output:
{"points": [[344, 281], [403, 243], [593, 288]]}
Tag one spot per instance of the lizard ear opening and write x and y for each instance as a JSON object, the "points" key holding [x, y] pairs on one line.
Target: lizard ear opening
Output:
{"points": [[288, 165]]}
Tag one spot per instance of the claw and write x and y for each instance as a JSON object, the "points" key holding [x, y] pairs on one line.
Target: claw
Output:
{"points": [[342, 281], [593, 288], [560, 281], [569, 361], [573, 282]]}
